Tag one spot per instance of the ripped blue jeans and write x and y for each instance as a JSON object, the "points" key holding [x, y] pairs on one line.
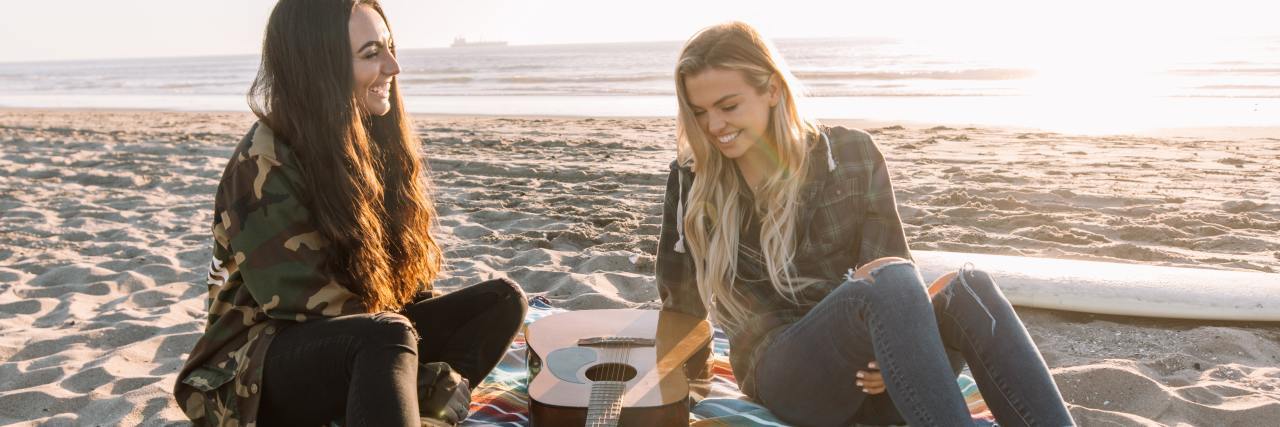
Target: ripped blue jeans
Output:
{"points": [[806, 375]]}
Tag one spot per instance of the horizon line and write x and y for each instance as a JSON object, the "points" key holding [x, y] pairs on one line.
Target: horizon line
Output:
{"points": [[437, 47]]}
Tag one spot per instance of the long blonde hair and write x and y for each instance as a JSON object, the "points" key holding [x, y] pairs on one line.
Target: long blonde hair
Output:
{"points": [[713, 214]]}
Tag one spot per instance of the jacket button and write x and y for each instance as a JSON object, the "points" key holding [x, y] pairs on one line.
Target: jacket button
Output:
{"points": [[270, 330], [253, 388]]}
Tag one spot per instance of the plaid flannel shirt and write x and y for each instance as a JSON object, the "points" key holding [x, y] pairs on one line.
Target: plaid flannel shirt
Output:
{"points": [[848, 217]]}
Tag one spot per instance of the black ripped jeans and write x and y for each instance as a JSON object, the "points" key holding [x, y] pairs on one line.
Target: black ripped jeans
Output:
{"points": [[364, 368]]}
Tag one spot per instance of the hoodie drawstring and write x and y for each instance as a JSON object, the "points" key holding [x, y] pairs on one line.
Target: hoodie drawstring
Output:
{"points": [[831, 160], [680, 212]]}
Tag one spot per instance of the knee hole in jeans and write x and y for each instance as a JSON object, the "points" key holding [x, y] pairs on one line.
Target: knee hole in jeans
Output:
{"points": [[867, 271]]}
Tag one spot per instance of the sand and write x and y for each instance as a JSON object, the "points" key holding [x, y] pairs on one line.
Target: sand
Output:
{"points": [[104, 240]]}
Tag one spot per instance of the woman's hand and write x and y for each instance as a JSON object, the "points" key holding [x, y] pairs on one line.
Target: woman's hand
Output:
{"points": [[442, 393], [870, 379]]}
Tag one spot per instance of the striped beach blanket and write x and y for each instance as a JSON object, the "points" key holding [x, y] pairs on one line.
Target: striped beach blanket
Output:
{"points": [[503, 400]]}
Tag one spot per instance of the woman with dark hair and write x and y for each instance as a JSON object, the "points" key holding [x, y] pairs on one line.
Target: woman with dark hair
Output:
{"points": [[320, 299]]}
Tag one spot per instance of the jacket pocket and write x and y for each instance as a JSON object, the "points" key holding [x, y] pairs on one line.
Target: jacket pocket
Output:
{"points": [[208, 378], [838, 191]]}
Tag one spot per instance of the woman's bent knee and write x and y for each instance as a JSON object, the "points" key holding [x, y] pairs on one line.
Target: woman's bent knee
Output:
{"points": [[896, 286], [388, 328], [864, 272], [975, 280], [510, 294], [897, 280]]}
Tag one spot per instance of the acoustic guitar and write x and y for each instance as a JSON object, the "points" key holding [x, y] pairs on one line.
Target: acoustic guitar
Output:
{"points": [[613, 367]]}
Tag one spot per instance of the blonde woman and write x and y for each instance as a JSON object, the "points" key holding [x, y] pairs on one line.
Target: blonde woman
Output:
{"points": [[767, 214]]}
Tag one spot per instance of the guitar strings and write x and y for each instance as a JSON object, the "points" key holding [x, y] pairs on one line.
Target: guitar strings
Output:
{"points": [[616, 353]]}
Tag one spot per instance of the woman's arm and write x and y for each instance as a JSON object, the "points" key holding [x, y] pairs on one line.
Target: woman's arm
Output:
{"points": [[271, 237], [882, 234], [676, 280], [677, 285]]}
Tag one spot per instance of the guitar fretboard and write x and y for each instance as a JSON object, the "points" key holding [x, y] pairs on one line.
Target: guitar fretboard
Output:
{"points": [[606, 403]]}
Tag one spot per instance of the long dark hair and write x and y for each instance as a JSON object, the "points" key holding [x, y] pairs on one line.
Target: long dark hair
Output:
{"points": [[365, 182]]}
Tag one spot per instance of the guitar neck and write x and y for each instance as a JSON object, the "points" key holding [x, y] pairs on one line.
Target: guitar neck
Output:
{"points": [[605, 405]]}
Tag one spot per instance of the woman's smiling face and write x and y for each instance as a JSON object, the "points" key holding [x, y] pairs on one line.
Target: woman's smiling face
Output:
{"points": [[372, 63], [733, 114]]}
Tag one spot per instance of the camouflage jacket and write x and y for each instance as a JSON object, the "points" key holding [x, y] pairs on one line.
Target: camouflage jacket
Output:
{"points": [[266, 274]]}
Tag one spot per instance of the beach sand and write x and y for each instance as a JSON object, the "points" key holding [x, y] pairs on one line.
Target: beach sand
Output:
{"points": [[104, 242]]}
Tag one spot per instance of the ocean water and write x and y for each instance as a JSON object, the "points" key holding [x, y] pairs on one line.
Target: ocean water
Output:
{"points": [[1235, 84]]}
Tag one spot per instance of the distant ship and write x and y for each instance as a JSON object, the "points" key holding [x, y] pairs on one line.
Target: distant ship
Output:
{"points": [[462, 42]]}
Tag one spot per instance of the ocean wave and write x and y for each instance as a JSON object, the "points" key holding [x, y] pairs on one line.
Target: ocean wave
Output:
{"points": [[586, 79], [185, 85], [439, 70], [1209, 96], [429, 80], [554, 91], [1219, 71], [906, 95], [973, 74], [1239, 87], [560, 91], [523, 67]]}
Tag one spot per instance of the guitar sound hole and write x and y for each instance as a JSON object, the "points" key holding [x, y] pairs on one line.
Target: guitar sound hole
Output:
{"points": [[611, 372]]}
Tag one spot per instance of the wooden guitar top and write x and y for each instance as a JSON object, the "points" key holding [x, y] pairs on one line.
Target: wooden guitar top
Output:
{"points": [[660, 378]]}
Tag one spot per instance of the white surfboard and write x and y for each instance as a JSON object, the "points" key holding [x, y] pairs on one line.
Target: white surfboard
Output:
{"points": [[1121, 289]]}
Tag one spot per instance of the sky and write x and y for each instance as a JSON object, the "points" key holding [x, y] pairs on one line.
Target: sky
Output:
{"points": [[95, 29]]}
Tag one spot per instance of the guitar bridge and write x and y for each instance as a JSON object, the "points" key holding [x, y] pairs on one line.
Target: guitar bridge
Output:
{"points": [[616, 342]]}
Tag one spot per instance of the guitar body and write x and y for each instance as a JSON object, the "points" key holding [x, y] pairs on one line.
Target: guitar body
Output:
{"points": [[612, 367]]}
